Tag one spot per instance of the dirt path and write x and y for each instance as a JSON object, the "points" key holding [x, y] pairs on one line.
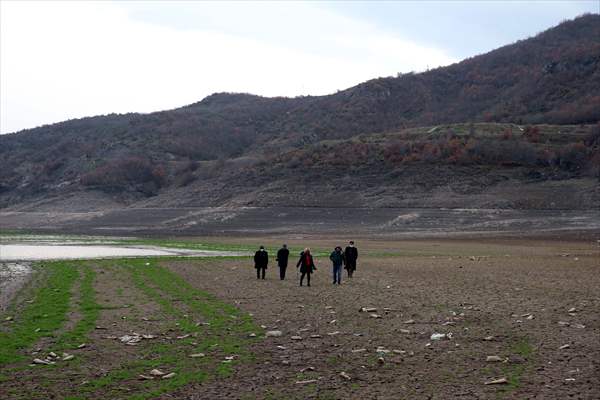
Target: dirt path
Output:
{"points": [[517, 295]]}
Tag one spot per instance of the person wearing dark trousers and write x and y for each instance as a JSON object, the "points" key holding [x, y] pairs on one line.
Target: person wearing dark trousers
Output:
{"points": [[307, 266], [337, 258], [350, 257], [261, 260], [282, 260]]}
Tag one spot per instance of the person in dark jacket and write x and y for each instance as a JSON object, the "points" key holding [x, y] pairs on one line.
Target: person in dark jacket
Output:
{"points": [[307, 266], [282, 260], [337, 258], [261, 260], [350, 257]]}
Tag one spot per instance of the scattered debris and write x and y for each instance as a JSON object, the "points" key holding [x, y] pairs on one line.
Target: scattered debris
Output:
{"points": [[578, 326], [368, 309], [374, 315], [281, 348], [146, 377], [8, 318], [183, 336], [131, 339], [359, 350], [156, 372], [333, 333], [405, 331], [345, 376], [307, 369], [169, 376], [410, 321], [493, 359], [498, 381], [273, 333], [399, 351], [68, 357], [306, 382], [380, 361], [252, 335], [564, 346], [296, 338], [572, 310], [440, 336], [333, 321], [315, 336], [197, 355], [43, 362], [564, 323]]}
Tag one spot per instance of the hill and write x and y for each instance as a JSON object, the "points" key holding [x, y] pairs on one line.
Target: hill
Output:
{"points": [[486, 141]]}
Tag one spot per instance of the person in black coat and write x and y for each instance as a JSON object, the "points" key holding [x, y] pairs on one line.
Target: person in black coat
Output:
{"points": [[261, 260], [282, 260], [350, 257], [307, 266]]}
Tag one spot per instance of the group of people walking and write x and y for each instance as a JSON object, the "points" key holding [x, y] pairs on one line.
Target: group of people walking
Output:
{"points": [[306, 262]]}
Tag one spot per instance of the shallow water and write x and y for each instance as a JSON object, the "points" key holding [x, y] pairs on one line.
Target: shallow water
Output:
{"points": [[30, 252]]}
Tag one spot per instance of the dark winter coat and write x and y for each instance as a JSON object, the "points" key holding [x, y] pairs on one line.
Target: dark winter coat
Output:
{"points": [[261, 259], [337, 258], [306, 268], [350, 256], [282, 257]]}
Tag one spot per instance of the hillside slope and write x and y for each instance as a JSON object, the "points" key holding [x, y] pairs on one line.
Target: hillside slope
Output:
{"points": [[244, 149]]}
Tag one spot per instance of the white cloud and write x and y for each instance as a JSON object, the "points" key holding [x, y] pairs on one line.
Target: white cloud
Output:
{"points": [[61, 60]]}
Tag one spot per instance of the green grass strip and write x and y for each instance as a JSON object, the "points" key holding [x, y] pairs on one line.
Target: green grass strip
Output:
{"points": [[229, 329], [43, 316], [89, 309]]}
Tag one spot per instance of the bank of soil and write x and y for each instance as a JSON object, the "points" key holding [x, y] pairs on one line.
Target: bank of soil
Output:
{"points": [[517, 294], [13, 275]]}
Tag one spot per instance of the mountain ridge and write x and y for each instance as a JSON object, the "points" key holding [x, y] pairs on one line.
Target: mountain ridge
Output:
{"points": [[552, 78]]}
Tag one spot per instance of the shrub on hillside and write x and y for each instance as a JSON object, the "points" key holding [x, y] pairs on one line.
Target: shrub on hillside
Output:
{"points": [[129, 172]]}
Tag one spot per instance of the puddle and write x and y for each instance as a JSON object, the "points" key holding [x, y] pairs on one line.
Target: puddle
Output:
{"points": [[30, 252]]}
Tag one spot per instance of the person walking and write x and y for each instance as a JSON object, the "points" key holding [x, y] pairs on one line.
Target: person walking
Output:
{"points": [[282, 260], [350, 257], [337, 258], [307, 266], [261, 260]]}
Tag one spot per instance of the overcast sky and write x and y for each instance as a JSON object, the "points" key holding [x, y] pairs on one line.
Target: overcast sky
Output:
{"points": [[62, 60]]}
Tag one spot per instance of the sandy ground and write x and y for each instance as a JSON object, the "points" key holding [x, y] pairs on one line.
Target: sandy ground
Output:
{"points": [[517, 294]]}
